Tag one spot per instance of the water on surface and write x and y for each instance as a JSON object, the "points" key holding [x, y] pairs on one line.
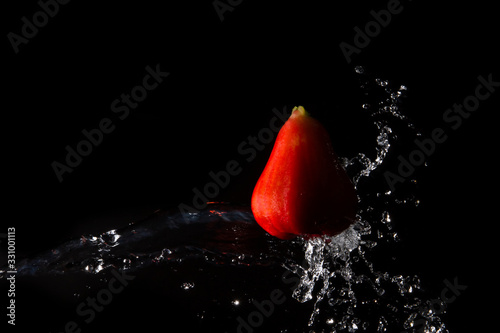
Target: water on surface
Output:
{"points": [[338, 275]]}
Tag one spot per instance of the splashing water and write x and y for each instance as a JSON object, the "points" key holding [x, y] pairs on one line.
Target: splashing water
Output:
{"points": [[353, 295], [338, 275]]}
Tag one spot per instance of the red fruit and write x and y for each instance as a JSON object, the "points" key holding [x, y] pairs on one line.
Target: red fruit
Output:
{"points": [[303, 189]]}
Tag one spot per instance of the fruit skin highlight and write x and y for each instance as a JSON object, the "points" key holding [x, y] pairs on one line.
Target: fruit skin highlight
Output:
{"points": [[303, 189]]}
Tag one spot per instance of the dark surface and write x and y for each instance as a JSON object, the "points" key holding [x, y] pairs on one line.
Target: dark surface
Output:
{"points": [[225, 79]]}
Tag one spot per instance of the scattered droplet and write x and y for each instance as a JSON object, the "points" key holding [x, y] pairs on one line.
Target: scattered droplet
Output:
{"points": [[386, 217], [187, 285], [359, 69]]}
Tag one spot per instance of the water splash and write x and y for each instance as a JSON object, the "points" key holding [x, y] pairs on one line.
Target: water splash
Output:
{"points": [[221, 234], [348, 291]]}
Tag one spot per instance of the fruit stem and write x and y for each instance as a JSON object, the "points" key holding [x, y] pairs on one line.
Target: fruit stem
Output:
{"points": [[299, 110]]}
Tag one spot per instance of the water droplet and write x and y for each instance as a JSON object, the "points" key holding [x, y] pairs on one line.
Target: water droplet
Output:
{"points": [[381, 82], [187, 285], [359, 69], [386, 217]]}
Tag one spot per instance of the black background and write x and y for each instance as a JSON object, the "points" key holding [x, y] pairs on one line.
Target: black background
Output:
{"points": [[225, 79]]}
